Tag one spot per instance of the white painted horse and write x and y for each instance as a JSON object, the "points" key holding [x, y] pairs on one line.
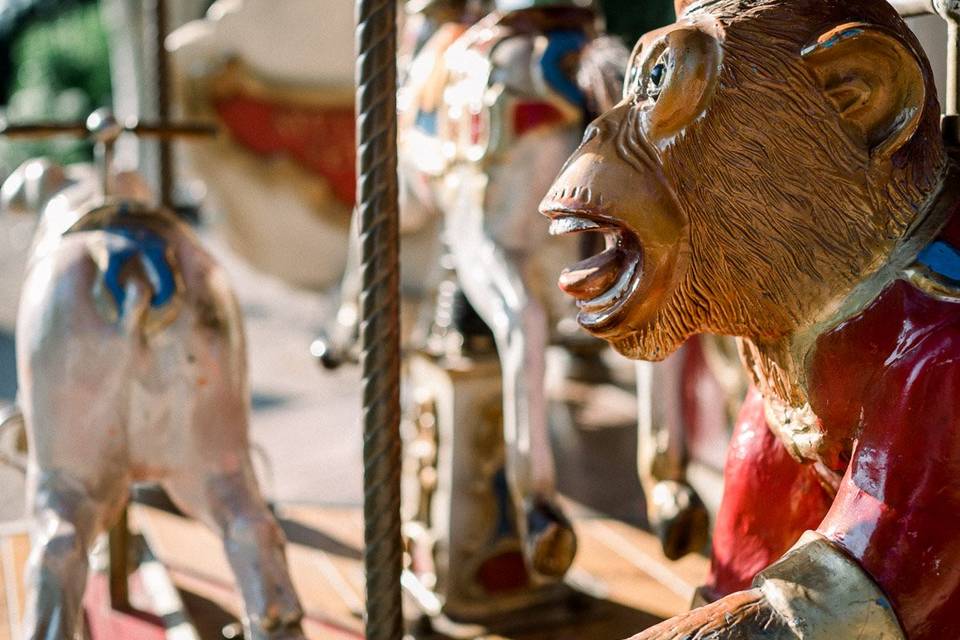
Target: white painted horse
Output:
{"points": [[279, 79], [132, 367], [488, 116]]}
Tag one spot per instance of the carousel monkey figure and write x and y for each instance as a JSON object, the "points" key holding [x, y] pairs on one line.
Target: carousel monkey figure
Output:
{"points": [[776, 171], [132, 367], [484, 127]]}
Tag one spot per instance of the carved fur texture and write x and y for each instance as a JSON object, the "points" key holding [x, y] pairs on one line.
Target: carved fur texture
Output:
{"points": [[786, 213]]}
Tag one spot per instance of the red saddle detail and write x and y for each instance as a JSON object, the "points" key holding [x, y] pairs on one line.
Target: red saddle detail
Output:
{"points": [[531, 115], [319, 139]]}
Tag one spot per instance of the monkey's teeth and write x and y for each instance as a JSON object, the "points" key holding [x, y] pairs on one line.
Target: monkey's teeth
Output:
{"points": [[571, 224], [611, 239]]}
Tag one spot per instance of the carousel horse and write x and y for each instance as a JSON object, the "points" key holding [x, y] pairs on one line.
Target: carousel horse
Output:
{"points": [[487, 115], [278, 80], [132, 368], [281, 176]]}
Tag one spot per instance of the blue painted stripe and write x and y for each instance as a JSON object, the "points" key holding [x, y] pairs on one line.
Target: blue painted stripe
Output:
{"points": [[427, 122], [559, 45], [941, 258], [152, 250]]}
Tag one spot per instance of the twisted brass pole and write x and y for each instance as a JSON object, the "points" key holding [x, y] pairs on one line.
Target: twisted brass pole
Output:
{"points": [[380, 313]]}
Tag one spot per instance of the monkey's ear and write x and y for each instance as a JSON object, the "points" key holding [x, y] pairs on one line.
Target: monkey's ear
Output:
{"points": [[679, 6], [875, 82]]}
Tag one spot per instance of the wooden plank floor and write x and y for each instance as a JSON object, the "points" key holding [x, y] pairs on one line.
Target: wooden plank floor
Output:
{"points": [[14, 549], [323, 554], [622, 581], [625, 582], [157, 613]]}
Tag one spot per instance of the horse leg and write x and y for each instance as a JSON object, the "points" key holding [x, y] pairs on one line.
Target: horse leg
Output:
{"points": [[72, 370], [674, 510], [494, 283], [67, 520], [340, 333], [229, 502]]}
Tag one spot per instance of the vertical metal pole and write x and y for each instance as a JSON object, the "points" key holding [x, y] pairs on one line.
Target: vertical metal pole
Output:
{"points": [[380, 312], [119, 549], [949, 10], [103, 158], [164, 145], [953, 66]]}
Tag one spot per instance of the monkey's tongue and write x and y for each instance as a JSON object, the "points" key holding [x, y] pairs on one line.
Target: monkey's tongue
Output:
{"points": [[589, 278]]}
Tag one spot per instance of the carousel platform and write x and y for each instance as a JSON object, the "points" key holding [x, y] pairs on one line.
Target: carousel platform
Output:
{"points": [[620, 582], [14, 548]]}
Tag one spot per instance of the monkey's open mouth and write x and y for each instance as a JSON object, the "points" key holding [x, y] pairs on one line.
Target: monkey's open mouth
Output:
{"points": [[602, 283]]}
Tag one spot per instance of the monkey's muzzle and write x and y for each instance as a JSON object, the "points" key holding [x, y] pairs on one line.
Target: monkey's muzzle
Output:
{"points": [[602, 283]]}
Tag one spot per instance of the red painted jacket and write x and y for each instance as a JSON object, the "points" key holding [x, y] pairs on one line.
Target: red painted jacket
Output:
{"points": [[885, 386]]}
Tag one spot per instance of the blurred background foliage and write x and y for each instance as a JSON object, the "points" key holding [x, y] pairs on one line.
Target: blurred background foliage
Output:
{"points": [[630, 19], [54, 64]]}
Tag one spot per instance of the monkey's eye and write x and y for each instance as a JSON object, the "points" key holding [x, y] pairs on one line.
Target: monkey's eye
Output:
{"points": [[658, 74]]}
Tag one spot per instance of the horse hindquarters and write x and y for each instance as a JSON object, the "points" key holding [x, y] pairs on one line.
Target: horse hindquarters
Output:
{"points": [[71, 368]]}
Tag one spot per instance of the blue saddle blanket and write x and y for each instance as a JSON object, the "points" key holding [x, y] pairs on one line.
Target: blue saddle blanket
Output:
{"points": [[151, 250]]}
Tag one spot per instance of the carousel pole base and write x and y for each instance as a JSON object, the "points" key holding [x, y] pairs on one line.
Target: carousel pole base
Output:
{"points": [[459, 516]]}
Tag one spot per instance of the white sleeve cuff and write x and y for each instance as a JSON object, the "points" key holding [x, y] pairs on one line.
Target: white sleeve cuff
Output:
{"points": [[825, 595]]}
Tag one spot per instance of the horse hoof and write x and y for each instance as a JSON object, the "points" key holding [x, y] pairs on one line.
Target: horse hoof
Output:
{"points": [[13, 438], [327, 356], [235, 631], [551, 542], [679, 519]]}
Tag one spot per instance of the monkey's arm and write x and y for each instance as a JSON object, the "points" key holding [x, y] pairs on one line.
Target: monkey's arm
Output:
{"points": [[815, 592]]}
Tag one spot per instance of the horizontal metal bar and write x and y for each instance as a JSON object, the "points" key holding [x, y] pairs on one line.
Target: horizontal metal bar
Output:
{"points": [[42, 129], [170, 129]]}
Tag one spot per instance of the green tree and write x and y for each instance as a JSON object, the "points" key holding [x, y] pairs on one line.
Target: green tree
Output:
{"points": [[61, 72], [630, 19]]}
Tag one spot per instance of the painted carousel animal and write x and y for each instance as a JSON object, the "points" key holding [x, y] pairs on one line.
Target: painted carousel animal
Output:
{"points": [[776, 171], [487, 116], [132, 367], [687, 410], [279, 79]]}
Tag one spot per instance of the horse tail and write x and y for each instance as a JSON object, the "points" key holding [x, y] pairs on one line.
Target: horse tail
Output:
{"points": [[135, 308], [603, 64]]}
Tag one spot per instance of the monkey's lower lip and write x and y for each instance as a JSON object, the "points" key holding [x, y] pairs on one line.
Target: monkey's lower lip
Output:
{"points": [[601, 283]]}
